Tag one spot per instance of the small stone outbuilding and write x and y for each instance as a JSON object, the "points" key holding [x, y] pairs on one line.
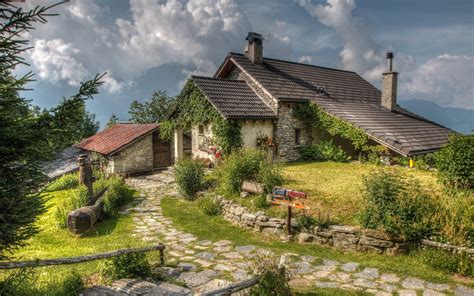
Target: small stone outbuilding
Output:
{"points": [[130, 148]]}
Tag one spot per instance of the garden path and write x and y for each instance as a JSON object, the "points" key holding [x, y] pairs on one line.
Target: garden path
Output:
{"points": [[207, 265]]}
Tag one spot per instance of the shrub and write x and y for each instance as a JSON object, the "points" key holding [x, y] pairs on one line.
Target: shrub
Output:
{"points": [[331, 151], [396, 205], [210, 207], [117, 195], [324, 150], [305, 223], [270, 176], [67, 181], [132, 265], [448, 261], [189, 176], [72, 200], [260, 202], [248, 164], [273, 278], [311, 153], [455, 162]]}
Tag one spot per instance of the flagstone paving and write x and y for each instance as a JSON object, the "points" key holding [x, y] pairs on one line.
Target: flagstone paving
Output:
{"points": [[206, 264]]}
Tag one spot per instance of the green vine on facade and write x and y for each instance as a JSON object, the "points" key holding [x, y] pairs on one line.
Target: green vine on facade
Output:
{"points": [[318, 118], [192, 109]]}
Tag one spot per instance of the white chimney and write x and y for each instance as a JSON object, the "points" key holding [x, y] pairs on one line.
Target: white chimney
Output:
{"points": [[389, 85], [254, 48]]}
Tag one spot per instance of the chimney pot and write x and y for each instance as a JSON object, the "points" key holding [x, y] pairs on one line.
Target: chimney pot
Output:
{"points": [[254, 47], [390, 61]]}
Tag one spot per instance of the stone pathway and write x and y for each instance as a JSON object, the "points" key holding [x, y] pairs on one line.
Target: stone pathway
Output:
{"points": [[208, 265]]}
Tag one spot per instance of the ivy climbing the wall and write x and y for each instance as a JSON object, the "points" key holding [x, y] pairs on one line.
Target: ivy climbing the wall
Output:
{"points": [[192, 109], [314, 115]]}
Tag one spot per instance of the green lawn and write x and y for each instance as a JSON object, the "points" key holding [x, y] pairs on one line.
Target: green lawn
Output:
{"points": [[52, 242], [335, 188], [187, 216]]}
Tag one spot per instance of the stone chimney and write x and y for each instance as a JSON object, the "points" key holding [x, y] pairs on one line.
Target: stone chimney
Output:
{"points": [[254, 48], [389, 85]]}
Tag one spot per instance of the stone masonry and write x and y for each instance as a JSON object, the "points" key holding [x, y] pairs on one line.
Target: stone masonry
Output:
{"points": [[205, 265], [138, 157]]}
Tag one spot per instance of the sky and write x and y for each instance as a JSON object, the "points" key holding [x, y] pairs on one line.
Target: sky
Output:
{"points": [[147, 45]]}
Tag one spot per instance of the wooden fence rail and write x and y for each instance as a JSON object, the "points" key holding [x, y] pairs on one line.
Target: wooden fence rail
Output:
{"points": [[79, 259], [234, 288]]}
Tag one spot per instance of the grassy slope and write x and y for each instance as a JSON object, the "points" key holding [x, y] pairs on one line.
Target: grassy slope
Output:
{"points": [[189, 217], [52, 242], [335, 188]]}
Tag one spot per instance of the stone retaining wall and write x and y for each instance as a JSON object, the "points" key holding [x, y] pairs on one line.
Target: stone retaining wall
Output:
{"points": [[342, 237]]}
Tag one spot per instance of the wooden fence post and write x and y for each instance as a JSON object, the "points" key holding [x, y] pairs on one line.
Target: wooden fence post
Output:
{"points": [[85, 172]]}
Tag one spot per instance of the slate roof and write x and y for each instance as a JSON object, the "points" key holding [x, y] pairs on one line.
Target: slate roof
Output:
{"points": [[64, 162], [284, 79], [233, 98], [345, 95], [404, 134], [116, 137]]}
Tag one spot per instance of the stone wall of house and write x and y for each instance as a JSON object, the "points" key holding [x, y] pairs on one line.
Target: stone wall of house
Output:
{"points": [[135, 158], [237, 74], [341, 237], [285, 133], [201, 142], [251, 129]]}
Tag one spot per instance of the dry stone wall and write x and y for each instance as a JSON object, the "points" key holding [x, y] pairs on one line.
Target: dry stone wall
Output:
{"points": [[342, 237]]}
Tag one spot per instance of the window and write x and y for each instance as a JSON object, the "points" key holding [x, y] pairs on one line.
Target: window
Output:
{"points": [[298, 136], [201, 130]]}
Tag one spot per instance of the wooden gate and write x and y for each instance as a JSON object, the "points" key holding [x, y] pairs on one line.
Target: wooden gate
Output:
{"points": [[161, 152]]}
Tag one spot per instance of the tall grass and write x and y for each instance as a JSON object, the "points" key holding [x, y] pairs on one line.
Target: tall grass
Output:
{"points": [[67, 181], [72, 199]]}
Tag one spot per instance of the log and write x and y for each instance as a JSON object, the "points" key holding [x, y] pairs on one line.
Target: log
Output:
{"points": [[234, 288], [81, 220], [73, 260]]}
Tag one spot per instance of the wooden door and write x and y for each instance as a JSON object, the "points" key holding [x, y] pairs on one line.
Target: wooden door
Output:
{"points": [[161, 152]]}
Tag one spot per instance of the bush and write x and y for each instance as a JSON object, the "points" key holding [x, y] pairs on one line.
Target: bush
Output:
{"points": [[261, 202], [455, 162], [189, 176], [117, 195], [132, 265], [396, 205], [448, 261], [305, 223], [72, 200], [273, 278], [248, 164], [324, 150], [67, 181], [210, 207]]}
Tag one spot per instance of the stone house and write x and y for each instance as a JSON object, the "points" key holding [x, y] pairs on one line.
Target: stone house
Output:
{"points": [[262, 92], [130, 148]]}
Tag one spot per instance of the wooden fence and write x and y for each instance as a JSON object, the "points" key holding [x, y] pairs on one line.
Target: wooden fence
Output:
{"points": [[234, 288], [73, 260]]}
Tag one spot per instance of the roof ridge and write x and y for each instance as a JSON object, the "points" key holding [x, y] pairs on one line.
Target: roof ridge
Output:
{"points": [[296, 63], [217, 78]]}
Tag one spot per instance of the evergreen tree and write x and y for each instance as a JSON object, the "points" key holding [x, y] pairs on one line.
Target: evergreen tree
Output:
{"points": [[155, 109], [28, 136]]}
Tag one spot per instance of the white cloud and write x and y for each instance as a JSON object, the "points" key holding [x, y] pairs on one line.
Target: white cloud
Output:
{"points": [[447, 80], [192, 33], [305, 59], [55, 61]]}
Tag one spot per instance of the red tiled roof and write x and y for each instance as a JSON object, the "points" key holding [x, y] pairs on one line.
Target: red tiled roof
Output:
{"points": [[115, 137]]}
